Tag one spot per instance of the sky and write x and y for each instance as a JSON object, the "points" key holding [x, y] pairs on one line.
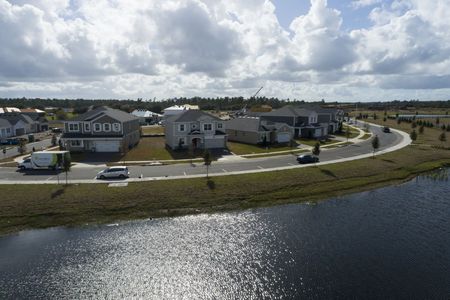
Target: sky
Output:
{"points": [[337, 50]]}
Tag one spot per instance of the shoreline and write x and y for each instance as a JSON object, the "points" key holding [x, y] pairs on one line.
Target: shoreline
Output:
{"points": [[74, 205]]}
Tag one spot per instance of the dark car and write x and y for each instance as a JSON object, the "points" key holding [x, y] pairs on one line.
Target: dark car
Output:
{"points": [[307, 159], [386, 129]]}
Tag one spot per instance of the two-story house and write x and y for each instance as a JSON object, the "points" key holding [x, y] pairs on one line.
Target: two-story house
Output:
{"points": [[195, 129], [101, 130]]}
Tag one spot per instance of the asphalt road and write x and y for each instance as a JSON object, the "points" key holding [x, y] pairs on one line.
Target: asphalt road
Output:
{"points": [[12, 151], [387, 140]]}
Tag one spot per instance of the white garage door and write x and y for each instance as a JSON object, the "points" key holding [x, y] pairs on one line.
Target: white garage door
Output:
{"points": [[283, 137], [107, 146], [214, 143]]}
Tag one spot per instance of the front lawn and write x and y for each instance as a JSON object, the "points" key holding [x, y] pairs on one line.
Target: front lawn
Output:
{"points": [[154, 148], [241, 148], [312, 142]]}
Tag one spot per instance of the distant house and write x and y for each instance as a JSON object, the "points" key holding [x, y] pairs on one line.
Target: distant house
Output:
{"points": [[307, 122], [178, 109], [6, 129], [21, 124], [146, 116], [101, 130], [38, 116], [195, 129], [252, 130]]}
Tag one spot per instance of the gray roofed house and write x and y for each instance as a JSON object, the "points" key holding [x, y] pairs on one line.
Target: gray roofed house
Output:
{"points": [[194, 129], [6, 129], [252, 130], [308, 121], [21, 124], [101, 130]]}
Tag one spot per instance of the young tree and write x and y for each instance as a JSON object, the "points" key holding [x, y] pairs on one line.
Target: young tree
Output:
{"points": [[54, 140], [316, 149], [375, 144], [347, 132], [413, 124], [437, 121], [66, 164], [207, 160], [413, 135], [443, 137], [421, 129], [22, 148]]}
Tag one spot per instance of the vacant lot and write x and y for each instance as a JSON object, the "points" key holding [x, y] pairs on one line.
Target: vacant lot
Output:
{"points": [[152, 129]]}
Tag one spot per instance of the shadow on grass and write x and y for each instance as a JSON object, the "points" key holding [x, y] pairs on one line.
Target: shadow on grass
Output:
{"points": [[211, 184], [328, 173], [57, 193], [388, 160]]}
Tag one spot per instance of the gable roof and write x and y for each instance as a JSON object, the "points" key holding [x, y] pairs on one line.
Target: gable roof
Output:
{"points": [[290, 111], [244, 124], [106, 111], [191, 116], [13, 118], [4, 123]]}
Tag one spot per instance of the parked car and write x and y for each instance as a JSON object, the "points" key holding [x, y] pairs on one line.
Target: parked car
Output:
{"points": [[307, 159], [386, 129], [114, 172]]}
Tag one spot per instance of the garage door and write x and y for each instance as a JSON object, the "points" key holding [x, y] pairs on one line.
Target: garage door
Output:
{"points": [[283, 137], [107, 146], [214, 143]]}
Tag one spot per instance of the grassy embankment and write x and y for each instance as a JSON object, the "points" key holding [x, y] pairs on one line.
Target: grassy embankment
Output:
{"points": [[40, 206]]}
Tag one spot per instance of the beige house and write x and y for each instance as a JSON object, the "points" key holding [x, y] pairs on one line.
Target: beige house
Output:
{"points": [[251, 130]]}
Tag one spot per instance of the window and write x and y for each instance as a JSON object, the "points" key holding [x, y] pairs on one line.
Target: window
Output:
{"points": [[116, 127], [219, 125], [207, 127], [97, 127], [181, 127], [75, 143], [8, 130], [74, 127], [106, 127], [87, 127]]}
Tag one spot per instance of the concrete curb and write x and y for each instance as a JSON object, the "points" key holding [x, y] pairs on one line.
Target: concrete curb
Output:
{"points": [[406, 141]]}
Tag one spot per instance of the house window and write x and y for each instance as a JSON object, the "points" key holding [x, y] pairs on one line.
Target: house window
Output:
{"points": [[87, 127], [207, 127], [181, 127], [8, 130], [97, 127], [75, 143], [219, 125], [106, 127], [74, 127], [116, 127]]}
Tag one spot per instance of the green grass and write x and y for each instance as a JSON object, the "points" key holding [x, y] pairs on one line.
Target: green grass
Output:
{"points": [[154, 148], [353, 133], [154, 129], [312, 142], [241, 148], [366, 136]]}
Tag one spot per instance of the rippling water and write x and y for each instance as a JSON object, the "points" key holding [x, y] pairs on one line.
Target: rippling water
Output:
{"points": [[388, 243]]}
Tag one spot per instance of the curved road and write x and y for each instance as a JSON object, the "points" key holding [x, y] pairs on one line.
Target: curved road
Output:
{"points": [[388, 142]]}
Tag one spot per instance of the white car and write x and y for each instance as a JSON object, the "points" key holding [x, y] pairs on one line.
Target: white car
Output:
{"points": [[114, 172]]}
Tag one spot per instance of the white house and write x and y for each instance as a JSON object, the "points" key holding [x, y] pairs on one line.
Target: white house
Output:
{"points": [[178, 109], [146, 116], [6, 129]]}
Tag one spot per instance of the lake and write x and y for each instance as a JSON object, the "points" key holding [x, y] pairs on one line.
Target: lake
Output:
{"points": [[392, 242]]}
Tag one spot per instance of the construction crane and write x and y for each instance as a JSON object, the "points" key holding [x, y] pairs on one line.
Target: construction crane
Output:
{"points": [[244, 109]]}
